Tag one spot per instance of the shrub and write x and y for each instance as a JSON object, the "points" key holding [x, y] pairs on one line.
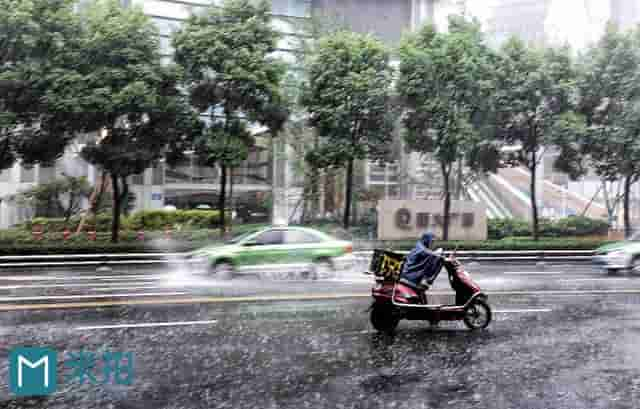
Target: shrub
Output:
{"points": [[573, 226], [100, 222], [500, 228], [189, 219]]}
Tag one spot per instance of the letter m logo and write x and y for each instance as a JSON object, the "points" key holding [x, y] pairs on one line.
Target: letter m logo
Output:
{"points": [[32, 371]]}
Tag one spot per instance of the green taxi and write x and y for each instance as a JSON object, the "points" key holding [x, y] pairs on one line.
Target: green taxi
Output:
{"points": [[271, 247], [623, 255]]}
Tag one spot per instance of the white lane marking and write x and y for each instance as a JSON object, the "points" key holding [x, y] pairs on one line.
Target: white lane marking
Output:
{"points": [[594, 279], [523, 311], [87, 296], [533, 272], [147, 325], [94, 277], [140, 287], [114, 285]]}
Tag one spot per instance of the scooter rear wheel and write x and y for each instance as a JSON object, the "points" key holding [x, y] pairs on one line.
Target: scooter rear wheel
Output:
{"points": [[477, 315], [383, 318]]}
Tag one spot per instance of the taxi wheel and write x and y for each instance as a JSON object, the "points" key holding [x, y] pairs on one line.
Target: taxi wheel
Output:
{"points": [[223, 270], [635, 266], [322, 269]]}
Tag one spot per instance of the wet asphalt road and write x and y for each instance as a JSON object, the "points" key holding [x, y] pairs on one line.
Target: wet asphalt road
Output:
{"points": [[565, 336]]}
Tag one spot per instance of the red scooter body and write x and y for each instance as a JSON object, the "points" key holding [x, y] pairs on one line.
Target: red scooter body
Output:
{"points": [[394, 301]]}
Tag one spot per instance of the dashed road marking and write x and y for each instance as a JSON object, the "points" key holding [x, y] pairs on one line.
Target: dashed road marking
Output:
{"points": [[146, 325], [88, 296], [523, 311], [92, 277], [534, 272]]}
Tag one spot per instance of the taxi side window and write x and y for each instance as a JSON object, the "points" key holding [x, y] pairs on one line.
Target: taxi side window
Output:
{"points": [[270, 237], [300, 237]]}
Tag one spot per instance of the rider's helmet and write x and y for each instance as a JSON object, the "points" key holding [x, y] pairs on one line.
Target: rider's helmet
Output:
{"points": [[427, 240]]}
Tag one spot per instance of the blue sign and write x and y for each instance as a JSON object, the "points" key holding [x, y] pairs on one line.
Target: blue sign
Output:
{"points": [[32, 371], [156, 196]]}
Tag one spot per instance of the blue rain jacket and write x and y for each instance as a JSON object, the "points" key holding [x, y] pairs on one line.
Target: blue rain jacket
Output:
{"points": [[421, 263]]}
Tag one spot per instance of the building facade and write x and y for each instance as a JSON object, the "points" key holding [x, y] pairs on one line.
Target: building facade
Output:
{"points": [[409, 176]]}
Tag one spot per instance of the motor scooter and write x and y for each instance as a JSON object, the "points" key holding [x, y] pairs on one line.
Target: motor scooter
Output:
{"points": [[394, 301]]}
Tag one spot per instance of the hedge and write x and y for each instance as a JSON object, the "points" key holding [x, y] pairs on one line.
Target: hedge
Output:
{"points": [[148, 220], [189, 219], [574, 226], [101, 222], [80, 245], [499, 245]]}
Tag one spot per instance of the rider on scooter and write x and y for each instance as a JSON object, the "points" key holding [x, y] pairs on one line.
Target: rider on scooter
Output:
{"points": [[422, 265]]}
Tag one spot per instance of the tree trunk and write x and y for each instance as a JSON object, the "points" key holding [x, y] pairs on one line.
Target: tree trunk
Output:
{"points": [[627, 214], [447, 202], [231, 197], [347, 198], [459, 184], [315, 184], [124, 198], [534, 204], [586, 208], [222, 200], [94, 199], [115, 222]]}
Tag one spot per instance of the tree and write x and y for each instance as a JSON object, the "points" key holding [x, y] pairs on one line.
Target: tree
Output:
{"points": [[230, 73], [444, 83], [533, 91], [62, 197], [38, 42], [347, 95], [603, 134], [126, 96]]}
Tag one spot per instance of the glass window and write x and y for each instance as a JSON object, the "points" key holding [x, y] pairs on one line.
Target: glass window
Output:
{"points": [[270, 237], [165, 46], [158, 175], [296, 8], [166, 27], [298, 236], [46, 174], [27, 174], [165, 8], [138, 179]]}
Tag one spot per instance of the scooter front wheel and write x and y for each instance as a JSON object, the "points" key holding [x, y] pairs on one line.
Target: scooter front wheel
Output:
{"points": [[477, 315], [383, 318]]}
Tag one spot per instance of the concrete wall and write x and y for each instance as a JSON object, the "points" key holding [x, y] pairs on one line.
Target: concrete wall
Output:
{"points": [[405, 219]]}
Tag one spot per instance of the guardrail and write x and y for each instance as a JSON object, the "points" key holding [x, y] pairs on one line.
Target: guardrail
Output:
{"points": [[361, 256]]}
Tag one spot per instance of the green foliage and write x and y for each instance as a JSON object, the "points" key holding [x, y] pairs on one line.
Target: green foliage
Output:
{"points": [[38, 43], [229, 72], [120, 89], [500, 228], [347, 95], [60, 198], [502, 245], [574, 226], [604, 134], [185, 219], [445, 83], [101, 222], [533, 90]]}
